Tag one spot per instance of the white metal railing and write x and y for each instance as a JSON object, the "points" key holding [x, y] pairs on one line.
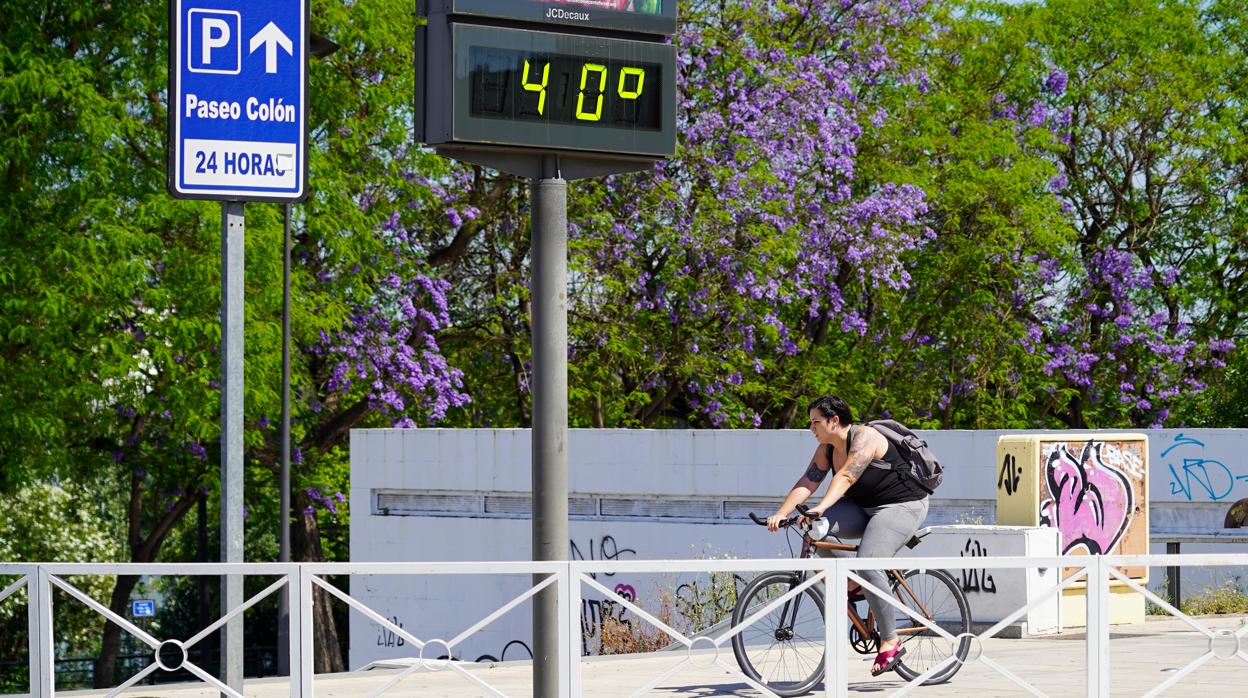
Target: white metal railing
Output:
{"points": [[568, 579]]}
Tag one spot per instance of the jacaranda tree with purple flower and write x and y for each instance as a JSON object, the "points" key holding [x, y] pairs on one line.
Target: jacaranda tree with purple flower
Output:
{"points": [[1149, 106], [715, 283]]}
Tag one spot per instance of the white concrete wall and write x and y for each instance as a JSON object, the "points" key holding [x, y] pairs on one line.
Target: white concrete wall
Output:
{"points": [[460, 495]]}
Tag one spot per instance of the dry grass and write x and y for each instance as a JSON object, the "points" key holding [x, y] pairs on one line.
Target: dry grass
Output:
{"points": [[635, 634]]}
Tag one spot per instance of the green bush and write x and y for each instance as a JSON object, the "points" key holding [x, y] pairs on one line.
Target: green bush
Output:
{"points": [[1231, 597]]}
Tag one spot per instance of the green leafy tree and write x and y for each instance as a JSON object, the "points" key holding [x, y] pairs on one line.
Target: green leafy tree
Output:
{"points": [[45, 522], [111, 288]]}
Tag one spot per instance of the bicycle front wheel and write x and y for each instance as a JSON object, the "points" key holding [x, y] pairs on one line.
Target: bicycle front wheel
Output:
{"points": [[783, 650], [933, 595]]}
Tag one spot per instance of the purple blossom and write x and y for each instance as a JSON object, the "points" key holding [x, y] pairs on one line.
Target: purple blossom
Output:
{"points": [[1055, 84]]}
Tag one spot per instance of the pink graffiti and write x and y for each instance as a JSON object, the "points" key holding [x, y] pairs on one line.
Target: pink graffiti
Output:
{"points": [[1092, 501], [627, 591]]}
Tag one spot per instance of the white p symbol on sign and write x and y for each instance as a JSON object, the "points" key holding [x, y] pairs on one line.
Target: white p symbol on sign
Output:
{"points": [[213, 43], [216, 34]]}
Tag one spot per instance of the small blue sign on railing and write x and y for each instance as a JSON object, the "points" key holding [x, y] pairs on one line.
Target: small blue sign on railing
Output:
{"points": [[143, 608]]}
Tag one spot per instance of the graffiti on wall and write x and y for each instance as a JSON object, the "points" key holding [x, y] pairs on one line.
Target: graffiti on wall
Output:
{"points": [[519, 650], [1094, 492], [594, 615], [1090, 501], [595, 612], [1011, 475], [604, 548], [387, 637], [975, 580], [1197, 476]]}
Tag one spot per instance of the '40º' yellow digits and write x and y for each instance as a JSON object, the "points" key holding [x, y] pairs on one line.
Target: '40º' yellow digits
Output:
{"points": [[536, 86]]}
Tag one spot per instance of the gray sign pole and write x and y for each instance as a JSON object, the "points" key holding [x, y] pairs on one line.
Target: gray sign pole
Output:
{"points": [[232, 436], [283, 552], [550, 409]]}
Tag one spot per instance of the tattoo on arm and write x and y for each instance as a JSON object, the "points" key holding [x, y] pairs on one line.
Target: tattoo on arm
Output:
{"points": [[856, 461], [814, 473]]}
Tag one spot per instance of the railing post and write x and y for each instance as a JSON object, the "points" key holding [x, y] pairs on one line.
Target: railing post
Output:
{"points": [[39, 622], [836, 627], [1098, 628], [569, 632], [294, 638], [302, 609]]}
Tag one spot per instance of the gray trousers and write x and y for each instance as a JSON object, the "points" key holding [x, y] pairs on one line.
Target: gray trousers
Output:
{"points": [[883, 530]]}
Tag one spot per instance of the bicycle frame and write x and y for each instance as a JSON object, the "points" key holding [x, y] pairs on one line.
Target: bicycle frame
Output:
{"points": [[866, 627]]}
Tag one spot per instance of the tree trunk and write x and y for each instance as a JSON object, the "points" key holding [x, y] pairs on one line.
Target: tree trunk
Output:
{"points": [[599, 421], [306, 547], [142, 549], [105, 666]]}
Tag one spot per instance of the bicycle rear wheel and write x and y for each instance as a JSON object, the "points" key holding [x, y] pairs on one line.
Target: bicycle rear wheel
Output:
{"points": [[784, 649], [935, 595]]}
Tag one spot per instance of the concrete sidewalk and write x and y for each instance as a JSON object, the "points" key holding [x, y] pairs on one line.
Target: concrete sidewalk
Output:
{"points": [[1141, 658]]}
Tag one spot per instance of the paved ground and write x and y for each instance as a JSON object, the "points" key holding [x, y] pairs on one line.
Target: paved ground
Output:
{"points": [[1141, 657]]}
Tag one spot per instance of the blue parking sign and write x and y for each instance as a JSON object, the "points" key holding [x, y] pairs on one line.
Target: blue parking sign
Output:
{"points": [[237, 99], [142, 608]]}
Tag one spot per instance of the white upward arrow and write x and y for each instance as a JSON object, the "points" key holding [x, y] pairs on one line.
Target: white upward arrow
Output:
{"points": [[271, 37]]}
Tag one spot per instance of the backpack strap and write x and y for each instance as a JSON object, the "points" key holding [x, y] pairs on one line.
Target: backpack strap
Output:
{"points": [[849, 440], [874, 462]]}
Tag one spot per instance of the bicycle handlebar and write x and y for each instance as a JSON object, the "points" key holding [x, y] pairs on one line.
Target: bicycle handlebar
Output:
{"points": [[804, 511], [763, 522], [801, 509]]}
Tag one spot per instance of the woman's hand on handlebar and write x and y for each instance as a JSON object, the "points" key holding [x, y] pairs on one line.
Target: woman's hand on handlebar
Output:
{"points": [[808, 516], [776, 521]]}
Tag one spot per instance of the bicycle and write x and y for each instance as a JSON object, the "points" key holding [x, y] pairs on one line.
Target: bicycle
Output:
{"points": [[779, 649]]}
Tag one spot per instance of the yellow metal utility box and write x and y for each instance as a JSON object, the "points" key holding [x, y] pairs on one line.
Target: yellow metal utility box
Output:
{"points": [[1092, 488]]}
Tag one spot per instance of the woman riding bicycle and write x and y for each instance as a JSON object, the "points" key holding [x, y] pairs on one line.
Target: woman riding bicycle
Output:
{"points": [[869, 498]]}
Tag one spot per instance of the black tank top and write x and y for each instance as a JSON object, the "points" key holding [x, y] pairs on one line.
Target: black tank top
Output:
{"points": [[882, 482]]}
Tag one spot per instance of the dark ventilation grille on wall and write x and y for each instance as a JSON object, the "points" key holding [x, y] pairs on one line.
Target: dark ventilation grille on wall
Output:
{"points": [[522, 504], [409, 503], [519, 504], [739, 509], [678, 508]]}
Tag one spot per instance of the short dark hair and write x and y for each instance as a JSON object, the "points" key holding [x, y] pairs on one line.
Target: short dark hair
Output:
{"points": [[831, 405]]}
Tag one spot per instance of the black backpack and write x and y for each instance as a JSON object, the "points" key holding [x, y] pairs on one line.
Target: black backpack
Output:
{"points": [[925, 469]]}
